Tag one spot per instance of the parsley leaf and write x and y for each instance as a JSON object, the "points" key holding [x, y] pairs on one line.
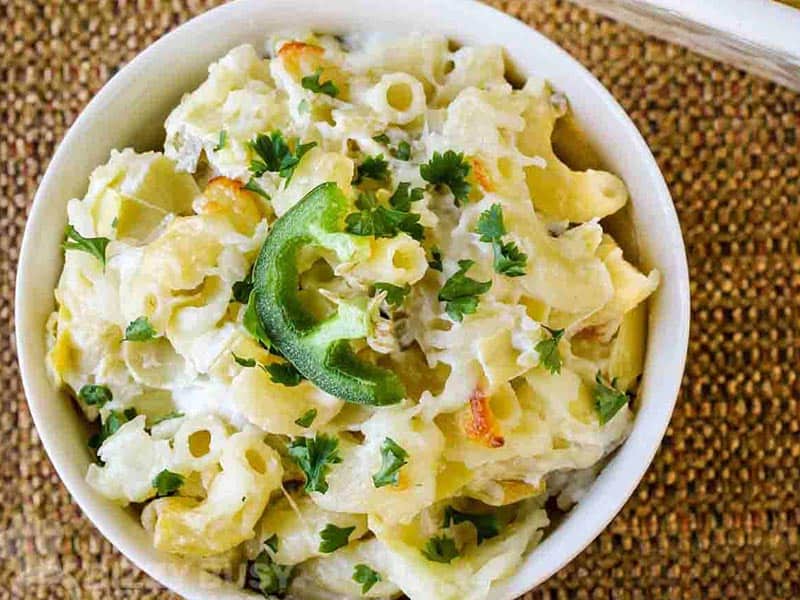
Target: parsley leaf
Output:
{"points": [[486, 526], [139, 330], [394, 293], [490, 224], [264, 575], [253, 186], [441, 549], [243, 362], [275, 155], [252, 324], [272, 542], [283, 373], [373, 167], [170, 415], [334, 537], [366, 576], [607, 399], [307, 418], [393, 457], [549, 356], [402, 197], [314, 456], [403, 151], [114, 420], [448, 169], [95, 395], [312, 83], [95, 246], [460, 293], [509, 260], [167, 483], [223, 140], [435, 262], [241, 289], [382, 138], [379, 221]]}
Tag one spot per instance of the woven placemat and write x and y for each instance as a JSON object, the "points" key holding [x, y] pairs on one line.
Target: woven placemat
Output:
{"points": [[718, 513]]}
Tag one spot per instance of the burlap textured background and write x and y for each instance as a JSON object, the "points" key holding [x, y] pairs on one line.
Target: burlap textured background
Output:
{"points": [[718, 514]]}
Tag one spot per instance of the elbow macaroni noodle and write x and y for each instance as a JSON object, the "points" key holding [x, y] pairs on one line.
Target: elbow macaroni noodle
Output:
{"points": [[488, 427]]}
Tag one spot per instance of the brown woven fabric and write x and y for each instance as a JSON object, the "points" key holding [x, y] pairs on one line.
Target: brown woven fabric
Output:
{"points": [[717, 515]]}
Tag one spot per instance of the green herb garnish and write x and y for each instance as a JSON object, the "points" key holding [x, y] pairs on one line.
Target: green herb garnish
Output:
{"points": [[283, 373], [307, 418], [275, 155], [607, 399], [95, 395], [312, 83], [243, 362], [315, 456], [394, 293], [448, 169], [223, 140], [393, 458], [170, 415], [95, 246], [441, 549], [167, 483], [253, 186], [272, 542], [486, 526], [509, 260], [376, 220], [373, 167], [264, 575], [403, 196], [549, 356], [435, 262], [460, 293], [334, 537], [366, 576], [139, 330]]}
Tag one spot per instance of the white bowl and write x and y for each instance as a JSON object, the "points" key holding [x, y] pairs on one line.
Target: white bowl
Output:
{"points": [[130, 110]]}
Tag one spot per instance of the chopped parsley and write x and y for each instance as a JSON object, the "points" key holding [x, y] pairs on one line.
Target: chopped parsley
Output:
{"points": [[448, 169], [315, 456], [490, 224], [139, 330], [272, 542], [486, 526], [170, 415], [312, 83], [167, 483], [283, 373], [252, 324], [114, 420], [376, 220], [382, 139], [373, 167], [366, 576], [607, 399], [435, 262], [403, 151], [307, 418], [95, 395], [549, 356], [395, 295], [223, 140], [253, 186], [96, 246], [460, 293], [393, 459], [241, 289], [275, 155], [509, 260], [441, 549], [404, 195], [243, 362], [264, 575], [333, 537]]}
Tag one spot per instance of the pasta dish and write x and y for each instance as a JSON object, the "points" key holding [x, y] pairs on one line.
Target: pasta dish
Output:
{"points": [[358, 328]]}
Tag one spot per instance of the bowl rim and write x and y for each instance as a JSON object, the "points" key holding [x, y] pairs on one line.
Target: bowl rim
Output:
{"points": [[584, 523]]}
